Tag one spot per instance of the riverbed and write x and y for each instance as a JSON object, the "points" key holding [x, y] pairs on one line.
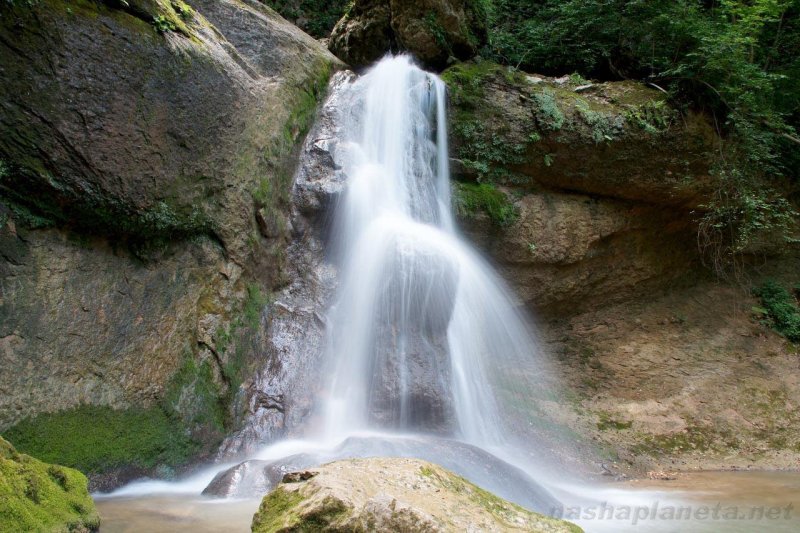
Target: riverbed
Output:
{"points": [[700, 502]]}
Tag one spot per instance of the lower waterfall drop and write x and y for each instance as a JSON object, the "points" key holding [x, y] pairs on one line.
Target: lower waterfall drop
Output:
{"points": [[422, 327]]}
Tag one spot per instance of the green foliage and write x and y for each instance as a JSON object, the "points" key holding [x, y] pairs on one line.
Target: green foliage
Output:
{"points": [[315, 17], [548, 113], [94, 439], [253, 305], [36, 496], [184, 10], [738, 60], [740, 211], [781, 308], [162, 24], [603, 126], [471, 198], [439, 35], [652, 117]]}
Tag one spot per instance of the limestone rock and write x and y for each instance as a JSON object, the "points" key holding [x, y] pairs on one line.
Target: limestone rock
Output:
{"points": [[604, 185], [434, 31], [381, 494]]}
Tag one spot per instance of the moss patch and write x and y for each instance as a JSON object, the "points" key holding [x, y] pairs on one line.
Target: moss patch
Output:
{"points": [[94, 439], [36, 496], [277, 511], [472, 198]]}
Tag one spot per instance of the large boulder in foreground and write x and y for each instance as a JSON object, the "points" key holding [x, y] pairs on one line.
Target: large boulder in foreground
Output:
{"points": [[38, 496], [435, 31], [391, 494]]}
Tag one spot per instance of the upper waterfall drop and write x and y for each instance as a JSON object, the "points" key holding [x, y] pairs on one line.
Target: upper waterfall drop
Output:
{"points": [[423, 337]]}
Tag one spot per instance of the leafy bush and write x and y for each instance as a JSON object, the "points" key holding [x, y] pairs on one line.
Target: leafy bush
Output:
{"points": [[162, 24], [781, 309], [315, 17]]}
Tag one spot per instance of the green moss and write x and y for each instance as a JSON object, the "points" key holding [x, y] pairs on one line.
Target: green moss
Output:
{"points": [[607, 423], [471, 198], [504, 511], [95, 439], [694, 438], [197, 399], [486, 147], [602, 126], [273, 188], [36, 496], [277, 512], [152, 226], [548, 113]]}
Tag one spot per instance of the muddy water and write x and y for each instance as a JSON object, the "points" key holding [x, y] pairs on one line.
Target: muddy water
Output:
{"points": [[761, 502], [733, 501], [175, 514]]}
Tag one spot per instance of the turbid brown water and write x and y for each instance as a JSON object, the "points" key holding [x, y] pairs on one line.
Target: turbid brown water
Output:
{"points": [[175, 514], [735, 501]]}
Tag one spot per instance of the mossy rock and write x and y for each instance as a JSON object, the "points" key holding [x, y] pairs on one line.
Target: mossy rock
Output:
{"points": [[42, 497], [392, 494], [96, 439], [617, 139]]}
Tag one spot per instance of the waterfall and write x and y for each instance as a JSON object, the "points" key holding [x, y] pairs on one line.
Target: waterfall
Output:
{"points": [[426, 354], [420, 319], [423, 352]]}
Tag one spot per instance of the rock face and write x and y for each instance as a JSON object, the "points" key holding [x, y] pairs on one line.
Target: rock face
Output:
{"points": [[392, 495], [147, 151], [434, 31], [600, 185], [37, 496], [279, 397]]}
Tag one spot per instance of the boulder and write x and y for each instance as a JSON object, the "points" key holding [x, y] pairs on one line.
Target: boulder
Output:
{"points": [[434, 31], [392, 494]]}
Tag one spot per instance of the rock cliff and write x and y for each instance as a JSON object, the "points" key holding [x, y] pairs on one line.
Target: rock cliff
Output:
{"points": [[147, 151], [587, 196], [434, 31]]}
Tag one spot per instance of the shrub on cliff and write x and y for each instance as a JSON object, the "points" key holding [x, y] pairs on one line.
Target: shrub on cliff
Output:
{"points": [[781, 309]]}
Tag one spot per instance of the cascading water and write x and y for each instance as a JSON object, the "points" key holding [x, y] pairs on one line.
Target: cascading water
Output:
{"points": [[426, 355], [420, 317]]}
